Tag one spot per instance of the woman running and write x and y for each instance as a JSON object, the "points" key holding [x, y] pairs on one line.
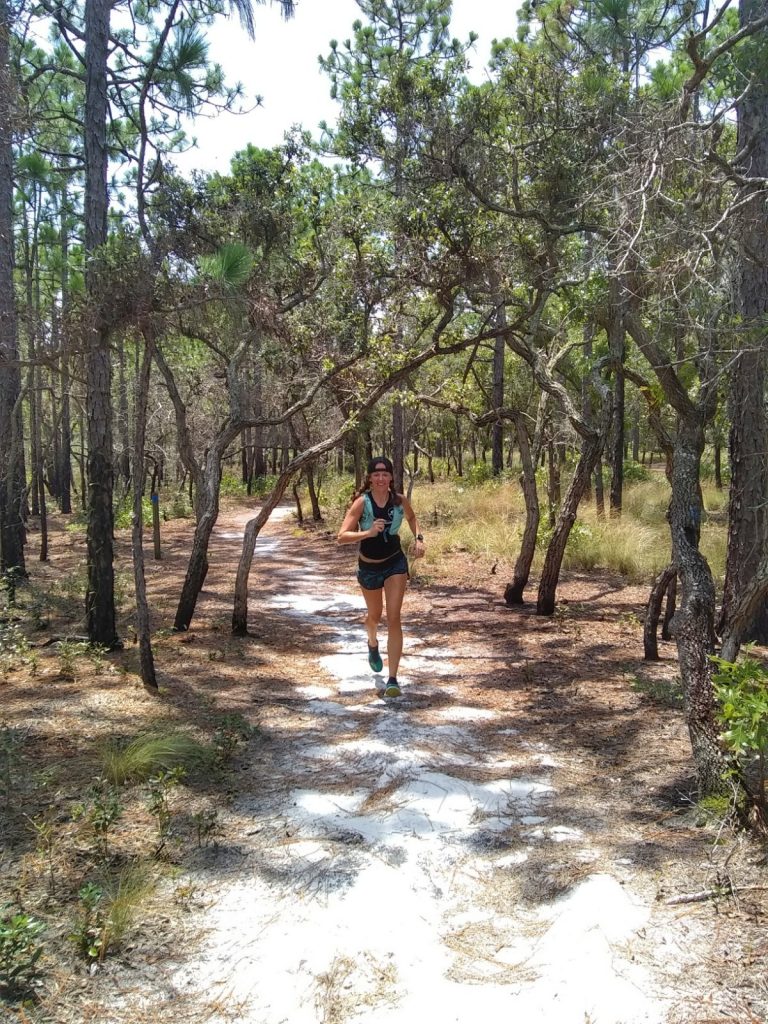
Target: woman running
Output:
{"points": [[373, 521]]}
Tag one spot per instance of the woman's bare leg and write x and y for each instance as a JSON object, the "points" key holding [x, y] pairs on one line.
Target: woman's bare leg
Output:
{"points": [[394, 591], [374, 602]]}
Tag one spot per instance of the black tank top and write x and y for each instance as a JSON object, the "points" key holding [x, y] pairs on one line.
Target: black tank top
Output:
{"points": [[384, 545]]}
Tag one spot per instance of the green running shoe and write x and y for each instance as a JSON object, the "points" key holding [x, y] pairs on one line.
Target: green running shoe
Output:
{"points": [[374, 659], [392, 690]]}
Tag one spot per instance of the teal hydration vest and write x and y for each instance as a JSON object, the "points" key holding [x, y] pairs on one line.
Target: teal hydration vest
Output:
{"points": [[394, 514]]}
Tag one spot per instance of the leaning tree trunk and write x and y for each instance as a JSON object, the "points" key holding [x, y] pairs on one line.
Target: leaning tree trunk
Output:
{"points": [[653, 612], [513, 593], [550, 574], [252, 530], [206, 514]]}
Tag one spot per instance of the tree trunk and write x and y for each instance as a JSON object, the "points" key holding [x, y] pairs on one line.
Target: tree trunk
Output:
{"points": [[143, 628], [550, 574], [693, 623], [398, 444], [653, 612], [554, 493], [497, 395], [65, 448], [513, 593], [599, 490], [100, 598], [314, 501], [748, 441], [617, 349], [11, 482]]}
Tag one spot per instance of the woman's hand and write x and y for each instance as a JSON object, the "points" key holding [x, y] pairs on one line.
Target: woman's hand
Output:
{"points": [[379, 526], [418, 549]]}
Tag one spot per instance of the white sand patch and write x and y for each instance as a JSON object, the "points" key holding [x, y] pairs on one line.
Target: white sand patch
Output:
{"points": [[315, 692], [315, 604], [467, 714], [327, 707]]}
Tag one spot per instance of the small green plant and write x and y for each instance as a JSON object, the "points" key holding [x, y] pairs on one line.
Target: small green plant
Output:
{"points": [[88, 931], [11, 742], [15, 650], [99, 815], [741, 689], [207, 826], [69, 653], [20, 952], [9, 582], [107, 909], [231, 732], [159, 803], [45, 834]]}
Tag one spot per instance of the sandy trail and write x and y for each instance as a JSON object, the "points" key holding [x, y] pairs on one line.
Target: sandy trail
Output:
{"points": [[379, 877]]}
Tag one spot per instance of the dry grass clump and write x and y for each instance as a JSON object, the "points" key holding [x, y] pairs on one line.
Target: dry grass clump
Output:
{"points": [[487, 520], [147, 755]]}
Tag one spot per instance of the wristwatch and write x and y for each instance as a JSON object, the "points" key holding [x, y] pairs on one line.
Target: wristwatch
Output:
{"points": [[420, 536]]}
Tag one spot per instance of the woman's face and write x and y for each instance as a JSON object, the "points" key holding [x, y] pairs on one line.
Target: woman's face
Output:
{"points": [[380, 475]]}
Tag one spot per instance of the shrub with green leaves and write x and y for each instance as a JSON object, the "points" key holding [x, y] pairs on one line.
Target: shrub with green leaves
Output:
{"points": [[15, 650], [741, 689], [20, 952]]}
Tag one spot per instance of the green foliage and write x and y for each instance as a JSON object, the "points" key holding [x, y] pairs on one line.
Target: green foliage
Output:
{"points": [[180, 506], [635, 473], [232, 485], [99, 813], [72, 651], [160, 787], [9, 581], [207, 826], [20, 952], [741, 689], [231, 731], [88, 931], [230, 267], [15, 650], [151, 754], [107, 909], [124, 512], [478, 473]]}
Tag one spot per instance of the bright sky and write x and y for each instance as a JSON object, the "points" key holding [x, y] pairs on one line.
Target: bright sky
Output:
{"points": [[280, 65]]}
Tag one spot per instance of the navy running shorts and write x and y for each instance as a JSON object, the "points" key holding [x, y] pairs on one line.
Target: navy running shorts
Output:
{"points": [[371, 575]]}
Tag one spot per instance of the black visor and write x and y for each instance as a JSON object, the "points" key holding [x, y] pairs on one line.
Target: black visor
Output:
{"points": [[381, 462]]}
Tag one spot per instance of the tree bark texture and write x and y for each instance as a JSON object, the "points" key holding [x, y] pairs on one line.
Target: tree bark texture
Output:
{"points": [[550, 573], [100, 599], [693, 623], [11, 481], [653, 612], [143, 630], [513, 593], [748, 440]]}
